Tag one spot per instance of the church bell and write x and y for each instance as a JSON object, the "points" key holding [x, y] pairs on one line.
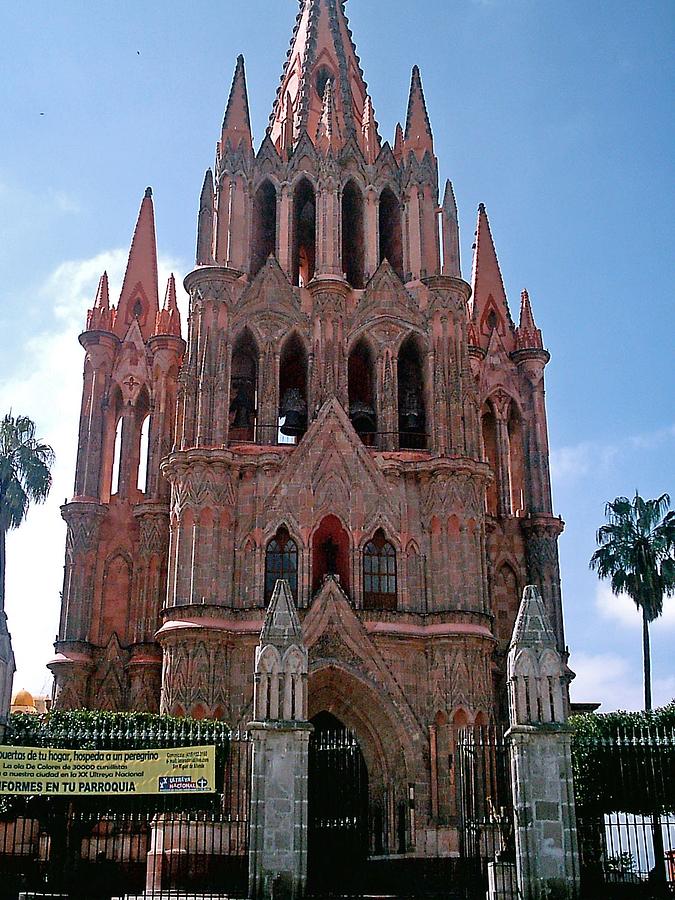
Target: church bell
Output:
{"points": [[294, 413], [363, 418]]}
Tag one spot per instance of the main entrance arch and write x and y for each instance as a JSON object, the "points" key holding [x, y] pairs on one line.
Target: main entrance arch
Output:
{"points": [[338, 807]]}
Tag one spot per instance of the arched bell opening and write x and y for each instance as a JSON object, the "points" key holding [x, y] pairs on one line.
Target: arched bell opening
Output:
{"points": [[264, 226], [292, 391], [489, 432], [361, 378], [411, 412], [353, 249], [304, 233], [330, 553], [516, 461], [338, 804], [244, 388], [391, 236]]}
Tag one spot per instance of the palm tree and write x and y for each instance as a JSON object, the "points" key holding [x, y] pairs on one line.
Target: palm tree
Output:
{"points": [[25, 477], [635, 551]]}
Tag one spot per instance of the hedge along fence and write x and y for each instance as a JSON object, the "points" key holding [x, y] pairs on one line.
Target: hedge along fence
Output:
{"points": [[86, 729], [625, 762]]}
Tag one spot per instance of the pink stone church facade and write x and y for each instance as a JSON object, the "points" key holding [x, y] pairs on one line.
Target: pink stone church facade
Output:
{"points": [[342, 410]]}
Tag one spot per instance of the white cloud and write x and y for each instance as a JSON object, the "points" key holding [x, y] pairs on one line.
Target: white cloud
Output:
{"points": [[46, 384], [622, 610], [569, 464], [613, 681]]}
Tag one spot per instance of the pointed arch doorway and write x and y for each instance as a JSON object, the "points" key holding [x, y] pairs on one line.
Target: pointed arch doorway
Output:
{"points": [[338, 808]]}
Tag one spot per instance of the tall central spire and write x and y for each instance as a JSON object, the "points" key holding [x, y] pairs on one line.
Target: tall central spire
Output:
{"points": [[321, 50]]}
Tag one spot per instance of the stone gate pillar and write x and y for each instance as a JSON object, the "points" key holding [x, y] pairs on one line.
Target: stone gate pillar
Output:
{"points": [[547, 853], [280, 730], [7, 669]]}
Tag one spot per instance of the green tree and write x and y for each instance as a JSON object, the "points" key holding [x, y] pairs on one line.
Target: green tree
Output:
{"points": [[25, 478], [635, 551]]}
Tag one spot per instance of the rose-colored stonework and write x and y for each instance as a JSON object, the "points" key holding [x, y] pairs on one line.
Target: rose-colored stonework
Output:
{"points": [[411, 502]]}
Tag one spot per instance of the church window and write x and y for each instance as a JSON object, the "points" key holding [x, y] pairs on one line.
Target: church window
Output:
{"points": [[304, 243], [379, 573], [292, 391], [281, 562], [491, 320], [391, 239], [411, 418], [117, 458], [244, 389], [516, 460], [489, 427], [264, 226], [138, 309], [361, 377], [142, 480], [352, 234]]}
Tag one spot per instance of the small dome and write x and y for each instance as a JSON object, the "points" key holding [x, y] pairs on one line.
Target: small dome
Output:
{"points": [[23, 699]]}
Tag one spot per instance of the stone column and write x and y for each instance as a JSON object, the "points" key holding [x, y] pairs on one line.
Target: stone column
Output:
{"points": [[279, 816], [7, 670], [547, 855]]}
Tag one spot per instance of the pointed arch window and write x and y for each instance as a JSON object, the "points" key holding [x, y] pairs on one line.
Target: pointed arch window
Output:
{"points": [[361, 390], [379, 573], [411, 416], [391, 237], [281, 561], [244, 389], [304, 225], [264, 226], [352, 234]]}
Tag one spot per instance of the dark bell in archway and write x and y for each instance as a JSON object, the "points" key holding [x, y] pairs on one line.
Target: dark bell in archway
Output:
{"points": [[412, 423], [363, 418], [294, 413]]}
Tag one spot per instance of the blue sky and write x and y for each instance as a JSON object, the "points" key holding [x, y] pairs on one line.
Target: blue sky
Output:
{"points": [[556, 115]]}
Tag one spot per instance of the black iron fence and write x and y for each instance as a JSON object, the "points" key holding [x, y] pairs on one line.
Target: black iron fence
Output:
{"points": [[103, 846], [625, 796], [485, 803]]}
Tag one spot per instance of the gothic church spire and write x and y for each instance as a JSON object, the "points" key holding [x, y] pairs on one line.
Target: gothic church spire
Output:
{"points": [[237, 120], [322, 49], [140, 292]]}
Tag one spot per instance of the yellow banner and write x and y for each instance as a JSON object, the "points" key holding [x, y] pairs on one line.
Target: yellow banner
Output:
{"points": [[40, 770]]}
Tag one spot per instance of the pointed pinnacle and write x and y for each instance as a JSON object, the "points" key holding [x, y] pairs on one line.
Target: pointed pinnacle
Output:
{"points": [[237, 120], [140, 279], [102, 293], [371, 140], [398, 143], [528, 336], [486, 279], [418, 136]]}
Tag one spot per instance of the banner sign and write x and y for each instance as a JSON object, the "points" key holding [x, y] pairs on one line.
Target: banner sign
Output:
{"points": [[40, 770]]}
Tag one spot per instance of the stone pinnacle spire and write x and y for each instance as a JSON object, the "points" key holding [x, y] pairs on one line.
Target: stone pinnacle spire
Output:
{"points": [[451, 257], [328, 131], [418, 136], [237, 121], [205, 222], [140, 292], [321, 49], [371, 139], [490, 308], [528, 336], [101, 316], [168, 318]]}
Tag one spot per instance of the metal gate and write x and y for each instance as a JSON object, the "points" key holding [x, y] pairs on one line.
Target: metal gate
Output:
{"points": [[338, 809], [485, 804]]}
